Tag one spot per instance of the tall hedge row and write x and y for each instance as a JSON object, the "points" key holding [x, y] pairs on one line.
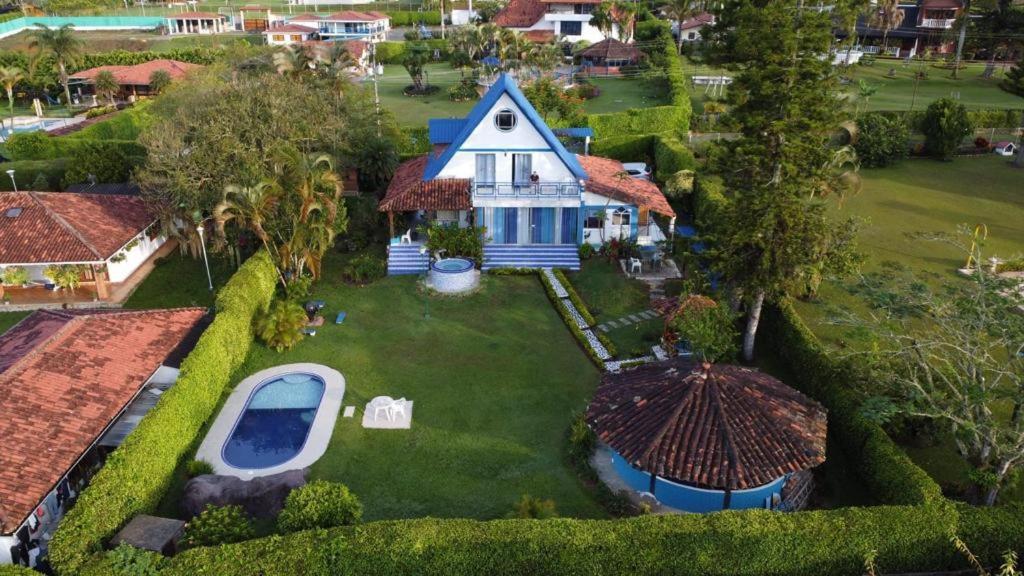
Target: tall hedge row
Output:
{"points": [[665, 150], [709, 203], [753, 542], [392, 52], [986, 118], [414, 17], [138, 473]]}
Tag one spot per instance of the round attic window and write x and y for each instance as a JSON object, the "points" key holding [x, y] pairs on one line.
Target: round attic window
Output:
{"points": [[505, 120]]}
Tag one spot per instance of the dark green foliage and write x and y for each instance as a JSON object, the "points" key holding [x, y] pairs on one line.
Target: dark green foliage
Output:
{"points": [[9, 570], [37, 145], [126, 560], [198, 468], [671, 156], [137, 474], [709, 203], [709, 331], [533, 507], [319, 504], [365, 268], [465, 242], [571, 323], [556, 106], [582, 441], [881, 140], [464, 90], [280, 327], [218, 525], [635, 148], [945, 124], [107, 160], [27, 172], [1014, 81]]}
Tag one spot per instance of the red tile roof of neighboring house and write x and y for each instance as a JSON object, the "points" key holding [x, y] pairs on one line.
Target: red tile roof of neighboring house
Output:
{"points": [[540, 36], [612, 49], [139, 74], [194, 16], [606, 179], [698, 21], [407, 190], [356, 48], [56, 227], [307, 17], [353, 16], [520, 14], [66, 376], [720, 427], [941, 4], [296, 28]]}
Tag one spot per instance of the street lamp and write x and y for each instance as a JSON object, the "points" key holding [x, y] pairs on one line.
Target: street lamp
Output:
{"points": [[206, 263], [15, 184]]}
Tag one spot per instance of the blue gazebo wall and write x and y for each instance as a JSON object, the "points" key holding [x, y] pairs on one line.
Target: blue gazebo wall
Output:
{"points": [[692, 499]]}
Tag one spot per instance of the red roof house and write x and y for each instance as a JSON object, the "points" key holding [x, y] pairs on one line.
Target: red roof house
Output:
{"points": [[135, 79]]}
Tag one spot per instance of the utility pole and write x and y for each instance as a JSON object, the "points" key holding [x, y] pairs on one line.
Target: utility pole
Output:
{"points": [[442, 19], [374, 72]]}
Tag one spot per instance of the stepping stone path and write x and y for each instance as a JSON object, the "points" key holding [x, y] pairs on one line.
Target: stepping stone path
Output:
{"points": [[628, 320], [563, 295]]}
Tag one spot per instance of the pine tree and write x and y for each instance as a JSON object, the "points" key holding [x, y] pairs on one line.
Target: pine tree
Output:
{"points": [[1014, 81]]}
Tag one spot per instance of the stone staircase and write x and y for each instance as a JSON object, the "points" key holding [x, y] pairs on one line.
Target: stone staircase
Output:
{"points": [[406, 259], [531, 256]]}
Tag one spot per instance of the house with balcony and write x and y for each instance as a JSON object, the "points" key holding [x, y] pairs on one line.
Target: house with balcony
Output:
{"points": [[927, 26], [551, 19], [503, 169], [347, 25]]}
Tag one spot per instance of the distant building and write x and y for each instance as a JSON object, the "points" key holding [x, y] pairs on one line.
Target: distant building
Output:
{"points": [[347, 25], [926, 26], [608, 56], [133, 80], [288, 34], [197, 23], [568, 20], [690, 29]]}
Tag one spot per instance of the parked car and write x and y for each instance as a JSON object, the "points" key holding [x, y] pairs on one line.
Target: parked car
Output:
{"points": [[637, 170]]}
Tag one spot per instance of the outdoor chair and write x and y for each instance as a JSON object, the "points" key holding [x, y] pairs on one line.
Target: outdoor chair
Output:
{"points": [[635, 265], [397, 407], [382, 404], [407, 237]]}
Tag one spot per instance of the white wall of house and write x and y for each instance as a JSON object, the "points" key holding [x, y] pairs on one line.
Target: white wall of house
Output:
{"points": [[553, 21], [119, 271], [275, 38], [611, 230], [524, 138]]}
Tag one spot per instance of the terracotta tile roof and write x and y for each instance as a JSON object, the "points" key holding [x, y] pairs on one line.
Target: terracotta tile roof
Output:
{"points": [[55, 227], [307, 17], [353, 16], [71, 376], [296, 28], [194, 16], [721, 427], [540, 36], [520, 14], [139, 74], [698, 21], [407, 190], [356, 49], [612, 49], [605, 180]]}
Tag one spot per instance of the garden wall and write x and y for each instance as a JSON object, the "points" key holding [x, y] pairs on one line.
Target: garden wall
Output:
{"points": [[138, 473]]}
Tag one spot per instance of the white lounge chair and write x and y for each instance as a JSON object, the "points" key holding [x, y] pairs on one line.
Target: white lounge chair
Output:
{"points": [[635, 265]]}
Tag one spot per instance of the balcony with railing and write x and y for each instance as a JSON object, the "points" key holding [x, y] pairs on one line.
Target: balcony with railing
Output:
{"points": [[526, 190], [938, 23]]}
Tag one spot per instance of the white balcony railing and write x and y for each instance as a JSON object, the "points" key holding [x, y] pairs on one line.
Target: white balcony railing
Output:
{"points": [[526, 190], [941, 23]]}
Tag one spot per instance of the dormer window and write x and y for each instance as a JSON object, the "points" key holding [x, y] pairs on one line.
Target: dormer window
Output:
{"points": [[505, 120]]}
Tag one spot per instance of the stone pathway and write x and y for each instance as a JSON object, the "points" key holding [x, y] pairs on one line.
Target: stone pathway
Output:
{"points": [[628, 320], [563, 295]]}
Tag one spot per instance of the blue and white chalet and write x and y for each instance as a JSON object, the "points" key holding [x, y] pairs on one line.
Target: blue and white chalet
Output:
{"points": [[502, 168]]}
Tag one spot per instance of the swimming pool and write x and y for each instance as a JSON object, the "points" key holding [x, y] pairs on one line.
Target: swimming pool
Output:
{"points": [[275, 423], [275, 420], [453, 275], [33, 126]]}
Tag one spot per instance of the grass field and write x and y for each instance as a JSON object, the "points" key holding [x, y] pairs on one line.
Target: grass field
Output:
{"points": [[8, 319], [179, 281], [610, 295], [495, 377], [897, 92], [135, 40], [618, 94]]}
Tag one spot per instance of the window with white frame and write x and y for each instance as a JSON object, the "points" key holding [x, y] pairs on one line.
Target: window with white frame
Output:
{"points": [[620, 217], [505, 120]]}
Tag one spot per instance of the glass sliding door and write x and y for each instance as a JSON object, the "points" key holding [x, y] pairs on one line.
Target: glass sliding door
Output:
{"points": [[485, 174], [506, 228], [542, 225], [522, 168], [570, 226]]}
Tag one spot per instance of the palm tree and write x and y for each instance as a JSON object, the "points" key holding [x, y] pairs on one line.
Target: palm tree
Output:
{"points": [[106, 85], [159, 80], [625, 16], [251, 208], [9, 76], [62, 44], [602, 19], [681, 11], [292, 61], [887, 18], [310, 180]]}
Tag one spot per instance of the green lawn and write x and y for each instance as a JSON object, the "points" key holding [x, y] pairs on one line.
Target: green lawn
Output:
{"points": [[619, 94], [416, 110], [8, 319], [179, 281], [607, 291], [496, 378], [136, 40]]}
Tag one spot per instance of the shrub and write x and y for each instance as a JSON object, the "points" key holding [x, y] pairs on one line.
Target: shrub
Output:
{"points": [[15, 276], [280, 327], [198, 468], [127, 560], [37, 145], [137, 474], [586, 251], [218, 525], [1014, 81], [365, 268], [582, 441], [625, 148], [66, 276], [106, 160], [574, 297], [881, 140], [945, 125], [26, 173], [455, 241], [710, 331], [671, 156], [390, 52], [536, 508], [680, 184], [319, 504], [464, 90], [573, 327], [100, 111], [981, 142], [709, 203]]}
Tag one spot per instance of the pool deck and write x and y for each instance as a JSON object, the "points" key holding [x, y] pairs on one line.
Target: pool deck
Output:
{"points": [[211, 450]]}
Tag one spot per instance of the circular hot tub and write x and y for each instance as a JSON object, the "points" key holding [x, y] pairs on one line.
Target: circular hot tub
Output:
{"points": [[453, 275]]}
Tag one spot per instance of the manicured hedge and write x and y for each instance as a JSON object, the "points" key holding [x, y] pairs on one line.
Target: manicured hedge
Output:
{"points": [[671, 156], [392, 52], [989, 118], [578, 302], [753, 542], [709, 203], [414, 17], [634, 148], [571, 323], [668, 154], [138, 473]]}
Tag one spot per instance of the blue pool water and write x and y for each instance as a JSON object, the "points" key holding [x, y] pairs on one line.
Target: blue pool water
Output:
{"points": [[275, 423], [32, 127], [453, 265]]}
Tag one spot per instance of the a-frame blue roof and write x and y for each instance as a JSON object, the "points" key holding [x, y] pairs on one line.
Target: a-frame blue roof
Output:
{"points": [[504, 85], [444, 130]]}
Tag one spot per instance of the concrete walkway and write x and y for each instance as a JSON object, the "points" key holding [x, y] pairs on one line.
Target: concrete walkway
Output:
{"points": [[627, 320]]}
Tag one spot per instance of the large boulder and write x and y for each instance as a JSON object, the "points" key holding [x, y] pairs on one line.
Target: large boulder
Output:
{"points": [[261, 497]]}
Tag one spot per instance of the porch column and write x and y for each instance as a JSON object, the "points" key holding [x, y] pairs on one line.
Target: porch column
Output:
{"points": [[391, 223], [100, 273], [672, 234]]}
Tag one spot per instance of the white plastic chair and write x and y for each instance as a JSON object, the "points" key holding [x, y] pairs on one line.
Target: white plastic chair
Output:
{"points": [[382, 404], [635, 265], [397, 407], [407, 237]]}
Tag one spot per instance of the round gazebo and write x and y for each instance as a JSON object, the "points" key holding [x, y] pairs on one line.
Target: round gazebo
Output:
{"points": [[702, 438]]}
